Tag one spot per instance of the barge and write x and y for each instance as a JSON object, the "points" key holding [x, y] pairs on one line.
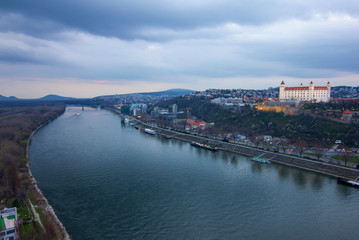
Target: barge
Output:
{"points": [[205, 146]]}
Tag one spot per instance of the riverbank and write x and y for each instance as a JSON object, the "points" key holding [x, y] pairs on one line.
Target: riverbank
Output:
{"points": [[293, 161], [40, 198], [19, 121]]}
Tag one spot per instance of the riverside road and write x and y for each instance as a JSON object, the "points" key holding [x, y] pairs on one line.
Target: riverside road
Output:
{"points": [[321, 167]]}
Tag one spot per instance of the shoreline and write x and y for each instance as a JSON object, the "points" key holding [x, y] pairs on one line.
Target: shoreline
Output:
{"points": [[33, 181], [288, 160]]}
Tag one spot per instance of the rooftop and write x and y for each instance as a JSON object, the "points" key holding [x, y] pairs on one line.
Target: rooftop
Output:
{"points": [[7, 218]]}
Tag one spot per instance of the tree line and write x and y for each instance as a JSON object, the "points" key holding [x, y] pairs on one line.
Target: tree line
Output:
{"points": [[17, 121]]}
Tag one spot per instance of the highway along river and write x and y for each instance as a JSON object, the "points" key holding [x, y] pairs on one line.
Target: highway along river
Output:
{"points": [[106, 180]]}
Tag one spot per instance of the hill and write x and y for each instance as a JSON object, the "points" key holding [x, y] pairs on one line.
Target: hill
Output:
{"points": [[144, 96], [11, 98], [53, 97], [251, 122]]}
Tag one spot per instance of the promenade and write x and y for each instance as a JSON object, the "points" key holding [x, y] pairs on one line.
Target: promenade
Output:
{"points": [[294, 161]]}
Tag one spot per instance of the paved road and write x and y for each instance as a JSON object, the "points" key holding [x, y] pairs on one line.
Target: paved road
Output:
{"points": [[323, 167]]}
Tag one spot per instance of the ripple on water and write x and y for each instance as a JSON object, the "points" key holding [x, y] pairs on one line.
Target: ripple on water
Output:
{"points": [[105, 180]]}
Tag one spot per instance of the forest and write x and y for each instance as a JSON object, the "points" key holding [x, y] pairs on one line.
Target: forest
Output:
{"points": [[17, 122]]}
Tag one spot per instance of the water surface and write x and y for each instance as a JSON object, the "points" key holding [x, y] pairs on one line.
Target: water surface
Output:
{"points": [[107, 180]]}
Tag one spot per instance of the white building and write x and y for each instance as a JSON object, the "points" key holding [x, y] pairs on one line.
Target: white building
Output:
{"points": [[174, 108], [8, 221], [228, 101], [310, 93]]}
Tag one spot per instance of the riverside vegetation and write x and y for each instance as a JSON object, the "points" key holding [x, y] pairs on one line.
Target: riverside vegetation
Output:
{"points": [[17, 122], [302, 128]]}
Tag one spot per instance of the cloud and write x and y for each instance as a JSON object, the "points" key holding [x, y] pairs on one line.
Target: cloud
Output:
{"points": [[178, 42], [125, 19]]}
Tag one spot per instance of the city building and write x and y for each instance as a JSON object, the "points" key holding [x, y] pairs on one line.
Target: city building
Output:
{"points": [[174, 108], [309, 93], [138, 109], [288, 107], [8, 220], [228, 101], [194, 124], [347, 116]]}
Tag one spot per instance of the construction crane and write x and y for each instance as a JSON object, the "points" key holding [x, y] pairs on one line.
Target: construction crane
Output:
{"points": [[188, 112]]}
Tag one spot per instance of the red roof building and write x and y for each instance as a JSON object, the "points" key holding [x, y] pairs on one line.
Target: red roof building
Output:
{"points": [[196, 123], [347, 115]]}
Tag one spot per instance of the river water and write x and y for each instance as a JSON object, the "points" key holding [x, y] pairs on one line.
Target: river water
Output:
{"points": [[110, 181]]}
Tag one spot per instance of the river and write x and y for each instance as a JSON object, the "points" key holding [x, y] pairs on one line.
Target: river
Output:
{"points": [[110, 181]]}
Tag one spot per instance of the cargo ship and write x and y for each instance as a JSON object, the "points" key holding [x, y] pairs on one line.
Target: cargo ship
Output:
{"points": [[205, 146]]}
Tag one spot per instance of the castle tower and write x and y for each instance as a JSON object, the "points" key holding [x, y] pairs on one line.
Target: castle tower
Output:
{"points": [[311, 91], [328, 86], [281, 91]]}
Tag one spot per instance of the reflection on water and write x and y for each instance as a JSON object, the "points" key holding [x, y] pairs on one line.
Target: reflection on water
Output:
{"points": [[299, 178], [137, 186], [317, 182], [283, 172], [234, 160], [346, 192], [257, 167]]}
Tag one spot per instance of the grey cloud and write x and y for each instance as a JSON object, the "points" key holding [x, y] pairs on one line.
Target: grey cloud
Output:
{"points": [[15, 22], [199, 45], [126, 19]]}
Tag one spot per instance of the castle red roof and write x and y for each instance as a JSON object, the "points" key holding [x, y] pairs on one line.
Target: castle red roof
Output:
{"points": [[320, 88], [296, 88], [347, 112], [303, 88], [282, 83]]}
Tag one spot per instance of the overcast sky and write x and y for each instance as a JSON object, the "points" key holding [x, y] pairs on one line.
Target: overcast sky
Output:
{"points": [[86, 48]]}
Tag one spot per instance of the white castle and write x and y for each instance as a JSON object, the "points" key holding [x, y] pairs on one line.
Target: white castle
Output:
{"points": [[310, 93]]}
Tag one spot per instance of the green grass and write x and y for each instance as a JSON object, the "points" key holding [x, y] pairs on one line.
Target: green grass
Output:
{"points": [[30, 230], [24, 212], [38, 210], [353, 159]]}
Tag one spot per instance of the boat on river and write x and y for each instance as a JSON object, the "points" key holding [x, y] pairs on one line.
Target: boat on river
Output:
{"points": [[261, 160], [205, 146], [150, 131], [353, 183]]}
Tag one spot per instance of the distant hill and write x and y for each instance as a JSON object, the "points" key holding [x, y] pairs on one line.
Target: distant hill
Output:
{"points": [[50, 97], [11, 98], [171, 92], [148, 96], [144, 95], [53, 97]]}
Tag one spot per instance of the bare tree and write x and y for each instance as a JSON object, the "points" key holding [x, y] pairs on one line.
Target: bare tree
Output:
{"points": [[256, 140], [346, 155], [300, 146], [284, 145], [319, 151]]}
